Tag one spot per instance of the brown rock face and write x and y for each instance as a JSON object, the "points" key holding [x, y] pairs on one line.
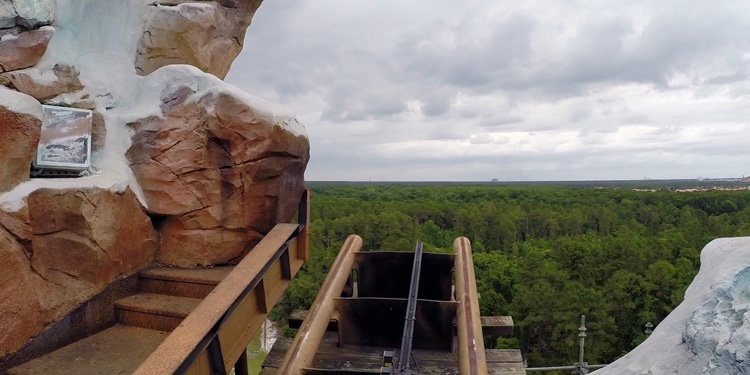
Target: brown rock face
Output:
{"points": [[17, 224], [206, 34], [44, 85], [219, 172], [92, 235], [65, 247], [22, 313], [19, 136], [98, 132], [22, 49]]}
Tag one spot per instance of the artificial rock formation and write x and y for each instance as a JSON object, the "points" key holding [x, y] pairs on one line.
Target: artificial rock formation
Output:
{"points": [[709, 332], [220, 171], [21, 49], [23, 315], [207, 172], [92, 235], [66, 246], [20, 124], [24, 35], [205, 34], [28, 14], [44, 84]]}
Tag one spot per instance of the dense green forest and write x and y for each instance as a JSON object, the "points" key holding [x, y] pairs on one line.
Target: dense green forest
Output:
{"points": [[543, 254]]}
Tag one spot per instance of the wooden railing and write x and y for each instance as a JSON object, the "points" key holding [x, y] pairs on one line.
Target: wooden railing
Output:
{"points": [[213, 338], [302, 351], [471, 354]]}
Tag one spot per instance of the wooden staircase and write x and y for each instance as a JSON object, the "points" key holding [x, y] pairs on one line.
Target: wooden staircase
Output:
{"points": [[144, 320], [176, 321]]}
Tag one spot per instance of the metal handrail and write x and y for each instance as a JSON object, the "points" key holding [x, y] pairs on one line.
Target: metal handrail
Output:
{"points": [[198, 335], [471, 356], [302, 350], [211, 338]]}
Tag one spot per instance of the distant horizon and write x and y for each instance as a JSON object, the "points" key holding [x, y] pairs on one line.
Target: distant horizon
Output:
{"points": [[571, 180], [650, 181]]}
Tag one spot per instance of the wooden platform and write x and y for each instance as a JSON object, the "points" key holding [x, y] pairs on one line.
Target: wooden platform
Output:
{"points": [[117, 350], [369, 359], [493, 326]]}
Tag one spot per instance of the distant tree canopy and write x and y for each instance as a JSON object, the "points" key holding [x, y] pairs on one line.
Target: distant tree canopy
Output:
{"points": [[543, 254]]}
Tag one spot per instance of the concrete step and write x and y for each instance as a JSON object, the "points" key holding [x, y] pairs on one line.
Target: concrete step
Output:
{"points": [[117, 350], [154, 311], [193, 283]]}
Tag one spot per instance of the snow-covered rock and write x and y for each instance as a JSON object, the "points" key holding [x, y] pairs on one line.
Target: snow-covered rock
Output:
{"points": [[221, 169], [22, 49], [28, 14], [124, 60], [44, 84], [8, 14], [24, 32], [34, 13], [709, 332]]}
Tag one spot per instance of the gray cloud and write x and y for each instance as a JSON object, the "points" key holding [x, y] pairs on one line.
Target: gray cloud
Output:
{"points": [[494, 89]]}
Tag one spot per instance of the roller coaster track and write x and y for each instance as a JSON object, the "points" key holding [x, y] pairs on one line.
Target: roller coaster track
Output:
{"points": [[404, 357], [352, 326]]}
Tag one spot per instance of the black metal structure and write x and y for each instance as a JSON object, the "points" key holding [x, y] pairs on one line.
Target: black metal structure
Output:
{"points": [[404, 357]]}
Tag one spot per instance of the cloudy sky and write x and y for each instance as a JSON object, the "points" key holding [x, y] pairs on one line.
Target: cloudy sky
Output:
{"points": [[515, 90]]}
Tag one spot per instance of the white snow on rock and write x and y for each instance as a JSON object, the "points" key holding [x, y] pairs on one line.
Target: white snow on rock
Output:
{"points": [[274, 113], [20, 103], [34, 13], [7, 14], [709, 332]]}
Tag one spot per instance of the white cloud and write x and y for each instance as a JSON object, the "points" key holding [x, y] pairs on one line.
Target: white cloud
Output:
{"points": [[437, 90]]}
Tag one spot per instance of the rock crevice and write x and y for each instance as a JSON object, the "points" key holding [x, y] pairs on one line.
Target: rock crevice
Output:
{"points": [[221, 171]]}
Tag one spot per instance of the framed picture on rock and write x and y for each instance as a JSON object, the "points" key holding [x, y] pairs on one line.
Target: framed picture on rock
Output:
{"points": [[65, 140]]}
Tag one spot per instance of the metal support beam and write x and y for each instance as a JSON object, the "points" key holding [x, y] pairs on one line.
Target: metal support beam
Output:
{"points": [[286, 265], [216, 356], [302, 351], [471, 354], [241, 367], [404, 356]]}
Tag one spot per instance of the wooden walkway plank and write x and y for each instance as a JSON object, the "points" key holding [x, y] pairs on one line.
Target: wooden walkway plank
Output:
{"points": [[352, 357]]}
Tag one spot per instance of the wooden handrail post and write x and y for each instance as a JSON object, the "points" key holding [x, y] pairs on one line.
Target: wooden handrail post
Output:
{"points": [[471, 354], [302, 351], [303, 218]]}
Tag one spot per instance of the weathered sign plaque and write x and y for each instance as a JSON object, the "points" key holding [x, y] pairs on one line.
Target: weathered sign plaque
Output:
{"points": [[65, 141]]}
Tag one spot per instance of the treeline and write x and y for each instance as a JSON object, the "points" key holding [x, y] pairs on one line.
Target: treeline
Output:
{"points": [[543, 254]]}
